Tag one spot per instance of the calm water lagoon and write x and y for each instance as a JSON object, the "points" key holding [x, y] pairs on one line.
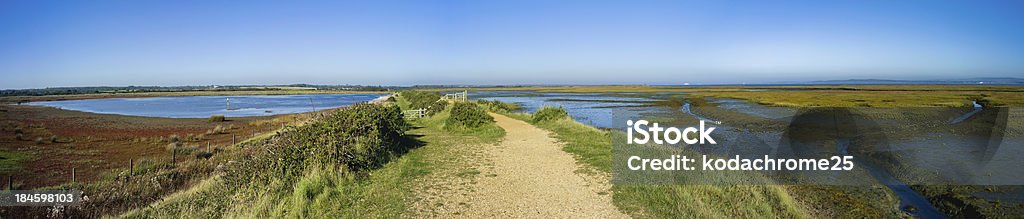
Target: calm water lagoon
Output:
{"points": [[594, 109], [204, 106]]}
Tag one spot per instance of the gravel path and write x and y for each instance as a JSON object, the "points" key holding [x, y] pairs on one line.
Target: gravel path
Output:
{"points": [[528, 175]]}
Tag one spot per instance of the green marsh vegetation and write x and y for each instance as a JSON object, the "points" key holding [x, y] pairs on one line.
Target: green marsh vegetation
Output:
{"points": [[11, 160], [818, 95]]}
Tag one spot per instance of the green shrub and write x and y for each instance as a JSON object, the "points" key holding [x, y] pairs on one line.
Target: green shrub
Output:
{"points": [[217, 118], [468, 115], [549, 113], [499, 106], [424, 100], [353, 139]]}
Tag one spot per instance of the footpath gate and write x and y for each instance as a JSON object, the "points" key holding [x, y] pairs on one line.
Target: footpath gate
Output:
{"points": [[460, 96], [414, 114], [420, 113]]}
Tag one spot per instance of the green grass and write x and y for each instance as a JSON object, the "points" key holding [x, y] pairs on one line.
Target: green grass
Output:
{"points": [[316, 194], [11, 160]]}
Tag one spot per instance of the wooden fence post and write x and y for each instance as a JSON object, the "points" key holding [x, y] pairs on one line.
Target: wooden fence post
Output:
{"points": [[232, 139], [131, 167], [72, 176], [10, 182]]}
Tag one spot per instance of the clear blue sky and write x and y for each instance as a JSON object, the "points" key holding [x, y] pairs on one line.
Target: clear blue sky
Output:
{"points": [[84, 43]]}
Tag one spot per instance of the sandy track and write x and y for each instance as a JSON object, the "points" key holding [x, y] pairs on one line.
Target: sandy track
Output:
{"points": [[528, 175]]}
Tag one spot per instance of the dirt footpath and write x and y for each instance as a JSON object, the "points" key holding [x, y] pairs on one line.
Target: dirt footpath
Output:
{"points": [[528, 175]]}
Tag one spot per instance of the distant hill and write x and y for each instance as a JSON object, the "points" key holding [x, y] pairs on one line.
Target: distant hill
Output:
{"points": [[992, 81]]}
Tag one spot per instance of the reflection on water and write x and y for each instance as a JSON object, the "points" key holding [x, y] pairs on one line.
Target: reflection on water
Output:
{"points": [[204, 106], [594, 109]]}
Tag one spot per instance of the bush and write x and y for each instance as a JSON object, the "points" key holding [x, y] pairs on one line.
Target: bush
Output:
{"points": [[217, 118], [19, 134], [468, 115], [53, 139], [39, 140], [217, 130], [174, 138], [424, 100], [355, 138], [549, 113], [499, 106]]}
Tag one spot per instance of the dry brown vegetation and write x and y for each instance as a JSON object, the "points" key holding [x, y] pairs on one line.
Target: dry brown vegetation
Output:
{"points": [[54, 141]]}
